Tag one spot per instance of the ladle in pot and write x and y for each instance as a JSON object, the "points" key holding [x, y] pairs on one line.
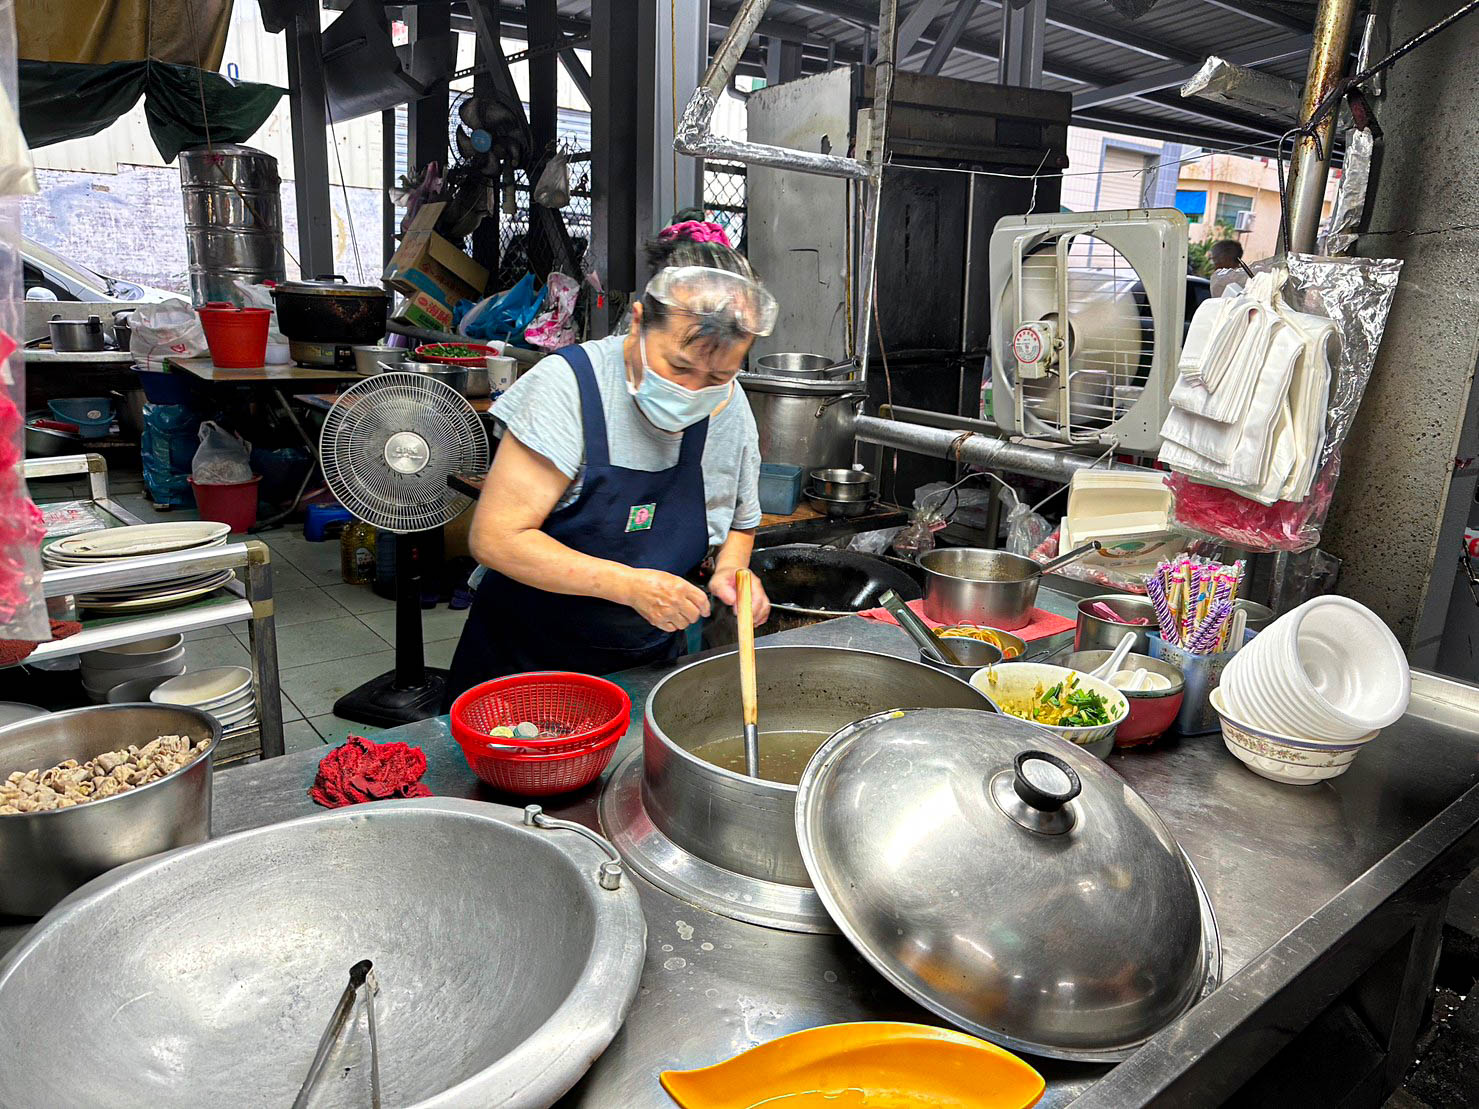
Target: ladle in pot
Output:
{"points": [[749, 700], [918, 630]]}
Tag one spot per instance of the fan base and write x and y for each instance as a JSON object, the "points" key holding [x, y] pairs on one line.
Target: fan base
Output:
{"points": [[382, 704]]}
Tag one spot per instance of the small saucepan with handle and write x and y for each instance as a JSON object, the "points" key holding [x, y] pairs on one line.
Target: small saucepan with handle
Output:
{"points": [[971, 585]]}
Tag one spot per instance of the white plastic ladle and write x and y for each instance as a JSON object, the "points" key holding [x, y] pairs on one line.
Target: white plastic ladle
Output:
{"points": [[1112, 663]]}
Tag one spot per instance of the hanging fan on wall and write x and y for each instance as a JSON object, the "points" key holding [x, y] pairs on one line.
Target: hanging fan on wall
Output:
{"points": [[387, 448], [1087, 321]]}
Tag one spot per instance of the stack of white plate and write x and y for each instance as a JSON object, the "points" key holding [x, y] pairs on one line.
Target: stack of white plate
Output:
{"points": [[223, 691], [106, 545], [140, 666]]}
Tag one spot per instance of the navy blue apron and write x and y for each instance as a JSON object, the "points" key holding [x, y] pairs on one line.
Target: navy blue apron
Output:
{"points": [[651, 520]]}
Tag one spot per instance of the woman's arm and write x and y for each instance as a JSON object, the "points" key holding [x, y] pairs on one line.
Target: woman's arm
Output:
{"points": [[735, 555], [521, 490]]}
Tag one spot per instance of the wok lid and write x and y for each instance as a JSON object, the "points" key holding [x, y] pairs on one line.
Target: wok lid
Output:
{"points": [[1007, 880]]}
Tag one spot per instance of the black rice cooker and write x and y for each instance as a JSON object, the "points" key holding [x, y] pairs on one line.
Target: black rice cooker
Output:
{"points": [[321, 316]]}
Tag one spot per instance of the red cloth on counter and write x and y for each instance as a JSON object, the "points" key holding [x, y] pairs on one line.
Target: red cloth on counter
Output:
{"points": [[1042, 624], [363, 770]]}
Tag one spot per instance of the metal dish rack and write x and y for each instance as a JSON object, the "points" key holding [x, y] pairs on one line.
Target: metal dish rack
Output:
{"points": [[248, 598]]}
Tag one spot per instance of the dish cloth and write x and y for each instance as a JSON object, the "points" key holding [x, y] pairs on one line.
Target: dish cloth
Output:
{"points": [[363, 770], [1042, 624], [17, 650]]}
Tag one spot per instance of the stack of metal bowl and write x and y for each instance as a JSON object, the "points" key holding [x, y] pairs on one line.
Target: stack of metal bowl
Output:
{"points": [[841, 492]]}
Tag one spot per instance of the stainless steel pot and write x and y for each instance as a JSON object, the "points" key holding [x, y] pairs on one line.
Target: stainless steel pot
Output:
{"points": [[330, 312], [455, 376], [803, 423], [76, 335], [1095, 633], [973, 655], [215, 968], [969, 585], [45, 856], [840, 484], [747, 825], [966, 585], [43, 442], [802, 366], [836, 507]]}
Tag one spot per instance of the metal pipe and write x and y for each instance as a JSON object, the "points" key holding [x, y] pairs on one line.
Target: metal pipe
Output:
{"points": [[883, 87], [696, 138], [978, 449], [1333, 22]]}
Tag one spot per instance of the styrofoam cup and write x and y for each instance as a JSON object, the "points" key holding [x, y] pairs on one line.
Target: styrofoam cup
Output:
{"points": [[1330, 669]]}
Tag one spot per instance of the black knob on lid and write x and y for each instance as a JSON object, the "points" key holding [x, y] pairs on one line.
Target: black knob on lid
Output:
{"points": [[1045, 781]]}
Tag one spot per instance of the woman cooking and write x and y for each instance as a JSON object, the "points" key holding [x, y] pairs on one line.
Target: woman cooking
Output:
{"points": [[622, 462]]}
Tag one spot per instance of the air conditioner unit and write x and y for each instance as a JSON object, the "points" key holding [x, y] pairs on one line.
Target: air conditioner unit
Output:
{"points": [[1245, 221], [1088, 312]]}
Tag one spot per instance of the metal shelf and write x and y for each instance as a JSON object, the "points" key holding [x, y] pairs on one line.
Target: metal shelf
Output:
{"points": [[247, 599]]}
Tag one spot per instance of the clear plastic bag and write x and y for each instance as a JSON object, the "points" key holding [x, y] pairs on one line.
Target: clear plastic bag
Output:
{"points": [[223, 457], [169, 329], [168, 447], [873, 542], [1026, 529], [1356, 295], [260, 296], [552, 190]]}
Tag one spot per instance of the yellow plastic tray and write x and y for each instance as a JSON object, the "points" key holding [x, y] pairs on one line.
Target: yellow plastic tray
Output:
{"points": [[865, 1065]]}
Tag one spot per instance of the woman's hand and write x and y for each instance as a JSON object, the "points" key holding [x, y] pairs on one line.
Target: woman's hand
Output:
{"points": [[722, 585], [665, 601]]}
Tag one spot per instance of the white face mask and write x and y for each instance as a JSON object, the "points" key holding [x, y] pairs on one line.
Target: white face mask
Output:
{"points": [[671, 406]]}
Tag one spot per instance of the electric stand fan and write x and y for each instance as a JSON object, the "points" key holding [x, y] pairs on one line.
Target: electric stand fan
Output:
{"points": [[387, 448]]}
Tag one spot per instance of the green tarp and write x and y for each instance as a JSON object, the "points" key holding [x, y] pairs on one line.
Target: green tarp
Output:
{"points": [[66, 100]]}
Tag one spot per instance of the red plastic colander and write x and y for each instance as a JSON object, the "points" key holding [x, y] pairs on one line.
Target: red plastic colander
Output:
{"points": [[570, 710], [540, 775]]}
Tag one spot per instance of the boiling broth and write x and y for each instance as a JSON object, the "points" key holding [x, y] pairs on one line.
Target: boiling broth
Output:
{"points": [[783, 754]]}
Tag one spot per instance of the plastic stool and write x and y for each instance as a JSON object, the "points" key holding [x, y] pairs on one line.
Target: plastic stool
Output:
{"points": [[321, 517]]}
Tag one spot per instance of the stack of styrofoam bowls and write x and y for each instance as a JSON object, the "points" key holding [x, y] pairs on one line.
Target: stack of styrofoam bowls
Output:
{"points": [[148, 660], [1328, 673], [223, 691]]}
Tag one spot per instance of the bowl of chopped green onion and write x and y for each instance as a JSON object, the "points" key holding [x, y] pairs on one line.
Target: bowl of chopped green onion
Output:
{"points": [[1071, 705], [455, 354]]}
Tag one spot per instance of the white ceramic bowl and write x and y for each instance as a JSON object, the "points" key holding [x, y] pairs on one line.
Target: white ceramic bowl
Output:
{"points": [[1293, 760], [133, 691], [1009, 682], [205, 689], [128, 655]]}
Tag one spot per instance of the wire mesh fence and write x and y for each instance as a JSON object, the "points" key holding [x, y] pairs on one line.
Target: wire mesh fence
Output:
{"points": [[725, 198]]}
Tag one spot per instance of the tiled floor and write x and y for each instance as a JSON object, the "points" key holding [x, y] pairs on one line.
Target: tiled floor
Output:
{"points": [[331, 636]]}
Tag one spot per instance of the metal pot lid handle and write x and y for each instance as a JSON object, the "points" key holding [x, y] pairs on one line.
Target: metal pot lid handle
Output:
{"points": [[1045, 781]]}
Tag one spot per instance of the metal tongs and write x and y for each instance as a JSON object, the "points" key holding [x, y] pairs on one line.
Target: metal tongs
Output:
{"points": [[361, 976]]}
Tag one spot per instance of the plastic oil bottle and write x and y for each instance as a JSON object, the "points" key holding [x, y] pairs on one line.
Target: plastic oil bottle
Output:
{"points": [[357, 553]]}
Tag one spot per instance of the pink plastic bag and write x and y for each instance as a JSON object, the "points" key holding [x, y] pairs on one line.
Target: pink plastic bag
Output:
{"points": [[554, 327]]}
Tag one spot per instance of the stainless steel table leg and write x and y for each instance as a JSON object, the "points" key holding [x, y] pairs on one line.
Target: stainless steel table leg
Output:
{"points": [[262, 629]]}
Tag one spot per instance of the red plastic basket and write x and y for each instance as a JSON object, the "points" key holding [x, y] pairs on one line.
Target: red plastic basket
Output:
{"points": [[540, 775], [571, 710]]}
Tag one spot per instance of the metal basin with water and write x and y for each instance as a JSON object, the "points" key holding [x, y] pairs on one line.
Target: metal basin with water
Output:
{"points": [[206, 976]]}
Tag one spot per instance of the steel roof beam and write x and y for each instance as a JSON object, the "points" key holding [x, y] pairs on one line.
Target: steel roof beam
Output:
{"points": [[949, 38], [1170, 78], [1262, 13], [921, 14]]}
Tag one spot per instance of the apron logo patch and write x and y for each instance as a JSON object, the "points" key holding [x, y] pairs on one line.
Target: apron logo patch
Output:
{"points": [[639, 518]]}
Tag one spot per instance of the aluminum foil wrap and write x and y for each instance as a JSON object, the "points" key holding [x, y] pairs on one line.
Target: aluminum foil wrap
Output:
{"points": [[1350, 200]]}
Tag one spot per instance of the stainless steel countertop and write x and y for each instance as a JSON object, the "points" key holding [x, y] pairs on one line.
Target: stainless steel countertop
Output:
{"points": [[1270, 856]]}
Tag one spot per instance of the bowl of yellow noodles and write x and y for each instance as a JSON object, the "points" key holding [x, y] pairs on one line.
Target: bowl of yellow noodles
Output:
{"points": [[1071, 705]]}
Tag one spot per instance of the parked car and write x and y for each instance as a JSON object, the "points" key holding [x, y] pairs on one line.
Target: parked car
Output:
{"points": [[51, 276]]}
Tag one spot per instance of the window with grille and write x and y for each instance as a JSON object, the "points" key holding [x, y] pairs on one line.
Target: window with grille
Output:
{"points": [[1229, 205]]}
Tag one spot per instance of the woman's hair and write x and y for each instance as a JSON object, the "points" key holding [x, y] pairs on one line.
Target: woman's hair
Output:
{"points": [[692, 243]]}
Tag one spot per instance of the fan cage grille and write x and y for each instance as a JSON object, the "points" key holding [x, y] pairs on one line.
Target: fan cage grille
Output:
{"points": [[448, 439]]}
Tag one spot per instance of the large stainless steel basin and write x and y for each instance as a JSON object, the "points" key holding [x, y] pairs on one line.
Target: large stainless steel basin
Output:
{"points": [[744, 824], [206, 976]]}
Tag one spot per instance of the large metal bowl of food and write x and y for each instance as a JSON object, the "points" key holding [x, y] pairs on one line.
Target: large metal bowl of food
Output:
{"points": [[83, 791]]}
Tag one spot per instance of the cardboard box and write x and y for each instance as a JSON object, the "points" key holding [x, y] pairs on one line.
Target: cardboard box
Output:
{"points": [[427, 263], [424, 310]]}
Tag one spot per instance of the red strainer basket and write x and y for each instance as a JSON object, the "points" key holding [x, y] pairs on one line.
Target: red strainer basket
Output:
{"points": [[540, 775], [570, 710]]}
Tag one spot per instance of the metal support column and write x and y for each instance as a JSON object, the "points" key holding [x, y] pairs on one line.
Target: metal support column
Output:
{"points": [[310, 144], [782, 60], [487, 240], [1022, 31], [388, 167], [614, 126], [427, 118], [544, 113], [948, 37], [678, 35], [1333, 22]]}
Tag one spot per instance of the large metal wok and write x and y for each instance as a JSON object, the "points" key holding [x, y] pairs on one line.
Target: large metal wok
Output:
{"points": [[205, 976]]}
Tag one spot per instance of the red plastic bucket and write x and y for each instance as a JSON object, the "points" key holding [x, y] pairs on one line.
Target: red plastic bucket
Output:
{"points": [[234, 504], [237, 336]]}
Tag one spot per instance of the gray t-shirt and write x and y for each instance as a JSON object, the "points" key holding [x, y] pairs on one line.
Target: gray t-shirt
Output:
{"points": [[543, 410]]}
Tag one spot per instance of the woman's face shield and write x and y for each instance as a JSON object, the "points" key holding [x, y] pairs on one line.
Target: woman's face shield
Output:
{"points": [[704, 292]]}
